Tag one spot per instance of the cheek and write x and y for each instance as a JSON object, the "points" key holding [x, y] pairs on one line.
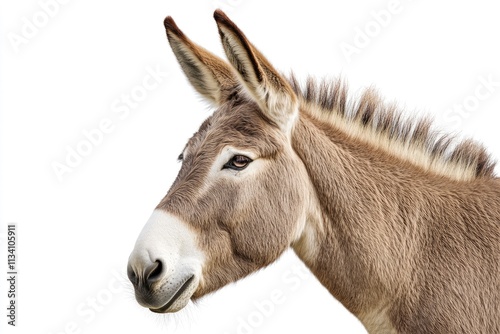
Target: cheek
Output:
{"points": [[268, 208], [278, 194]]}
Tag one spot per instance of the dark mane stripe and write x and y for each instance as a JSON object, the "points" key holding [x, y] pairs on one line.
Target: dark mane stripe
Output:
{"points": [[375, 116]]}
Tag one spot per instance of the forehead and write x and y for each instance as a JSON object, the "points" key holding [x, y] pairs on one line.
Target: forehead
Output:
{"points": [[239, 125]]}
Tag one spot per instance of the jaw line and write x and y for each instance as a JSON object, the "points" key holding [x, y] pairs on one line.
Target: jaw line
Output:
{"points": [[183, 287]]}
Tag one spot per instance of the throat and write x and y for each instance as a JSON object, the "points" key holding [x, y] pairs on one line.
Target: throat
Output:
{"points": [[342, 272], [377, 321], [312, 232]]}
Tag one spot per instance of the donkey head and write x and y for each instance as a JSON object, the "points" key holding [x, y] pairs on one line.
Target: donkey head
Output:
{"points": [[242, 195]]}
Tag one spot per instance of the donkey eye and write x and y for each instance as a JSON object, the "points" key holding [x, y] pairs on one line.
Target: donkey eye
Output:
{"points": [[180, 157], [238, 162]]}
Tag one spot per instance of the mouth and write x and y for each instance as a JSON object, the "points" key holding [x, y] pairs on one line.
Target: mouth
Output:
{"points": [[183, 287]]}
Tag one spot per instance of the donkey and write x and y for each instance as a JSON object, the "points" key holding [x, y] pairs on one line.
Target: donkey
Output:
{"points": [[399, 223]]}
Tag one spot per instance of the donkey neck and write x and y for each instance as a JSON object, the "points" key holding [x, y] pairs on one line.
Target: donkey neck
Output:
{"points": [[363, 243]]}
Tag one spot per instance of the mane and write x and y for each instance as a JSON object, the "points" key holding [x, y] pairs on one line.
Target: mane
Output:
{"points": [[383, 125]]}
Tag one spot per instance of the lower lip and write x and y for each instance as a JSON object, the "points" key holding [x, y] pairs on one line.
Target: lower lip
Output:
{"points": [[176, 296]]}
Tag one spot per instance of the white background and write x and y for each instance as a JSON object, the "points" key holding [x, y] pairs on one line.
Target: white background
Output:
{"points": [[69, 75]]}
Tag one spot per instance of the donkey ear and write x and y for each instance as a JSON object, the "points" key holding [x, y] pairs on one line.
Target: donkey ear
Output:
{"points": [[270, 90], [211, 76]]}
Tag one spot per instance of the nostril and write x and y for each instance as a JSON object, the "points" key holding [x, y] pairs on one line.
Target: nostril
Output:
{"points": [[153, 272], [131, 275]]}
